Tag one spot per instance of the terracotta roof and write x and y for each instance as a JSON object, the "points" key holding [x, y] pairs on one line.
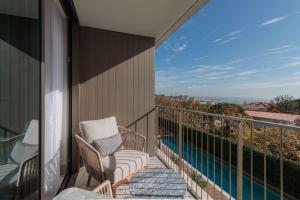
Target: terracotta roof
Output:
{"points": [[256, 104], [275, 116]]}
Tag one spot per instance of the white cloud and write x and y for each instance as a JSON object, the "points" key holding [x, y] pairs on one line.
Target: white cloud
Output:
{"points": [[233, 33], [214, 74], [283, 47], [297, 73], [170, 58], [227, 38], [214, 70], [245, 73], [180, 44], [175, 48], [294, 63], [295, 58], [196, 86], [228, 76], [166, 45], [260, 85], [273, 21], [228, 68], [192, 81], [214, 78], [180, 48], [241, 78], [197, 70], [218, 39], [227, 41], [297, 12], [200, 58]]}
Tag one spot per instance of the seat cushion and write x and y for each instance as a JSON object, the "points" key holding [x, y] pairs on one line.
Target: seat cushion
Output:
{"points": [[8, 170], [97, 129], [109, 145], [8, 180], [123, 163]]}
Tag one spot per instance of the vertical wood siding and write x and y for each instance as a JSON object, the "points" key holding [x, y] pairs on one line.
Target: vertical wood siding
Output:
{"points": [[117, 78]]}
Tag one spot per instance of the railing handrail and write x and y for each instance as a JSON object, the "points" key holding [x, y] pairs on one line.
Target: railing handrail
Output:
{"points": [[141, 117], [8, 130], [232, 117]]}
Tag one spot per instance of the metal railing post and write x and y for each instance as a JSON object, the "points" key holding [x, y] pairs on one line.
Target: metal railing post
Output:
{"points": [[156, 128], [180, 142], [240, 162]]}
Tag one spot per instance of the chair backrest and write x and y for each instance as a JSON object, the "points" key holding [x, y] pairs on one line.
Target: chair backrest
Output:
{"points": [[28, 179], [91, 159], [32, 133], [104, 189], [97, 129]]}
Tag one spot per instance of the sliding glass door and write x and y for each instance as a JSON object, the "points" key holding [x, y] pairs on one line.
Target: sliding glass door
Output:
{"points": [[19, 98]]}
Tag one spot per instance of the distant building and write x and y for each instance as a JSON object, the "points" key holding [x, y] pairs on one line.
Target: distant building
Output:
{"points": [[256, 106], [274, 117], [180, 97]]}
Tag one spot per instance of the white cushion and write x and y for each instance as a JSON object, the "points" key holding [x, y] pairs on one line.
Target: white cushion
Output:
{"points": [[32, 133], [109, 145], [6, 170], [97, 129], [22, 151], [123, 163]]}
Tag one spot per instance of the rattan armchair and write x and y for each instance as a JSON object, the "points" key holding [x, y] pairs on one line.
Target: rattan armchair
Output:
{"points": [[92, 159]]}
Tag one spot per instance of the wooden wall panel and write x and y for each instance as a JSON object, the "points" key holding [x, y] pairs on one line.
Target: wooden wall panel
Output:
{"points": [[116, 78]]}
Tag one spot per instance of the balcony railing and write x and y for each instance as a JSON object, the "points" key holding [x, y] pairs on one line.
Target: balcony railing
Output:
{"points": [[226, 157]]}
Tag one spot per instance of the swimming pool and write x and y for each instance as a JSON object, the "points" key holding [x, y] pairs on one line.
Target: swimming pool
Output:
{"points": [[194, 155]]}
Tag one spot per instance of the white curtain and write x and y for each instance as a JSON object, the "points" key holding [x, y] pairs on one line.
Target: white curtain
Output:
{"points": [[55, 82]]}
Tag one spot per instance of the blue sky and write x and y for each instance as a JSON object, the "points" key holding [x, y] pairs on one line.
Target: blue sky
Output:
{"points": [[234, 48]]}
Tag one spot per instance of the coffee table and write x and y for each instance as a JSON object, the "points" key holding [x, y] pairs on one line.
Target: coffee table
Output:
{"points": [[157, 183]]}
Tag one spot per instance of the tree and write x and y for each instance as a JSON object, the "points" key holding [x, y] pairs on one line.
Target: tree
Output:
{"points": [[285, 104], [227, 109]]}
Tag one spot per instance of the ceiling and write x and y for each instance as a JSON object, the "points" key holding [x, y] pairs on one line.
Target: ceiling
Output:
{"points": [[152, 18]]}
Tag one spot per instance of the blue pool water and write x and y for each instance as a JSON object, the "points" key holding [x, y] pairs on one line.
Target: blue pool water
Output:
{"points": [[193, 155]]}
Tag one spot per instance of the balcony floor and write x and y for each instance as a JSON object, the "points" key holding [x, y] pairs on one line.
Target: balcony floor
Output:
{"points": [[122, 191]]}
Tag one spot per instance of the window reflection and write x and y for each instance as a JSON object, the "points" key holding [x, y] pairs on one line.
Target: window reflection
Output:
{"points": [[19, 98]]}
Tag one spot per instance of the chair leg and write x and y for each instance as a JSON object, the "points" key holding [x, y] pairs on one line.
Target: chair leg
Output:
{"points": [[88, 181], [114, 193]]}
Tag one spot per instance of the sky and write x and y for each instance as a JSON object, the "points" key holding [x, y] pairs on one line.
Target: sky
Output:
{"points": [[234, 48]]}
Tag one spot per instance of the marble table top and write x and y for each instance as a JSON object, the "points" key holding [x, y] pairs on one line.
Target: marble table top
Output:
{"points": [[158, 183]]}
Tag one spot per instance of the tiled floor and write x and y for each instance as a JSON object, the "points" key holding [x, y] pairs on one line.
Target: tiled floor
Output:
{"points": [[123, 191]]}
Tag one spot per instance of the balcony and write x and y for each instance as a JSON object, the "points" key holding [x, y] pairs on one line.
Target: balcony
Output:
{"points": [[221, 157]]}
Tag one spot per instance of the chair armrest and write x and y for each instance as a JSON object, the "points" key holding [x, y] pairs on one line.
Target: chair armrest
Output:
{"points": [[91, 159], [104, 189], [13, 139], [132, 140]]}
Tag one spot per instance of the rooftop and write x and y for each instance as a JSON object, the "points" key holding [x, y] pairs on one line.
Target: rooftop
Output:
{"points": [[274, 116]]}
